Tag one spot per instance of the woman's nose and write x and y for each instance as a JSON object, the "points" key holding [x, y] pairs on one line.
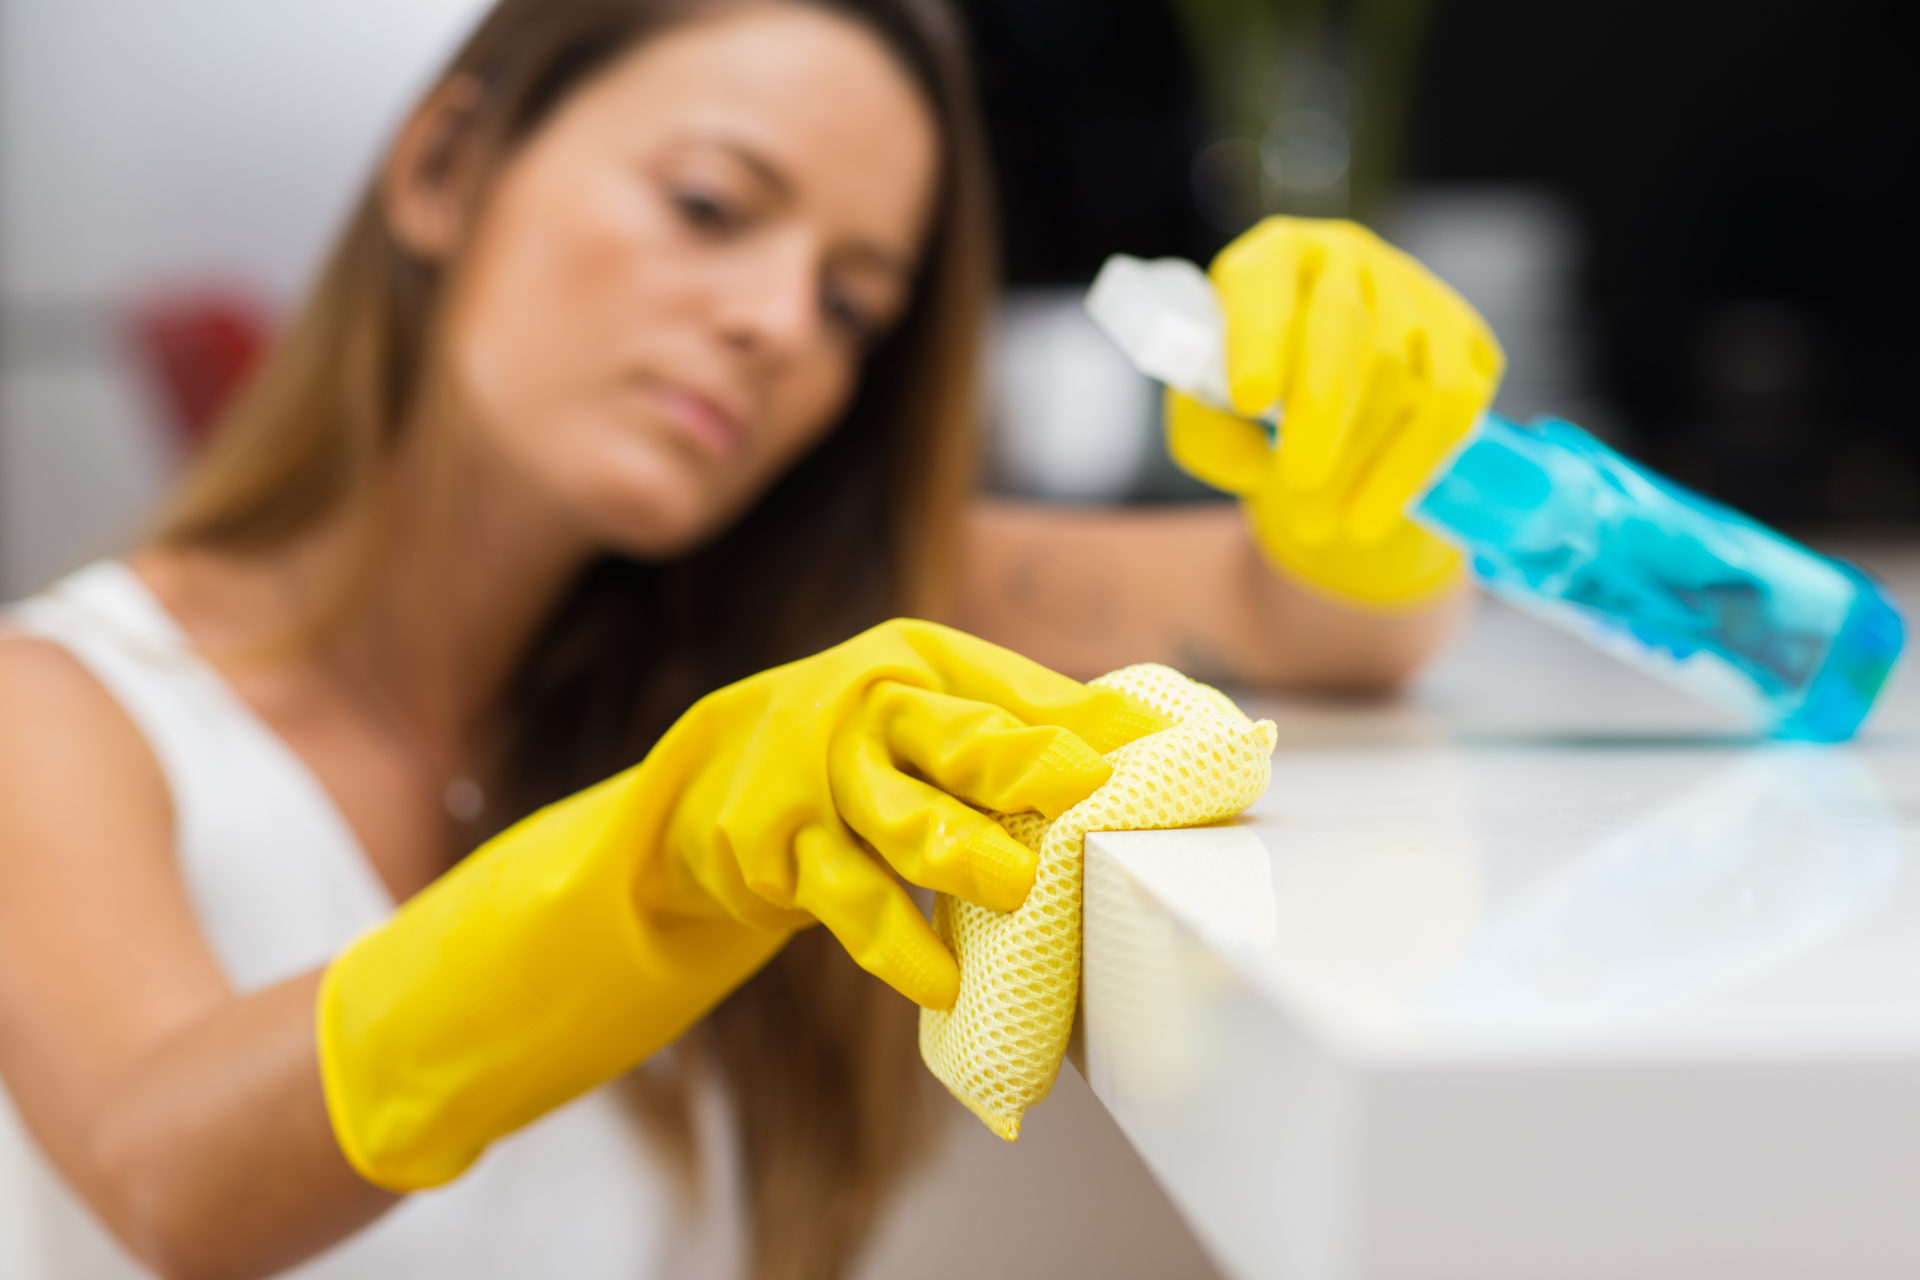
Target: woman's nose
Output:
{"points": [[771, 306]]}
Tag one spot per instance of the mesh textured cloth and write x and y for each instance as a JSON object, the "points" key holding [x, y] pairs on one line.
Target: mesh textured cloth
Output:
{"points": [[999, 1048]]}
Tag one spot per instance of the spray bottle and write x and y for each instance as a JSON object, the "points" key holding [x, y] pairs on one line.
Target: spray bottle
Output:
{"points": [[1561, 526]]}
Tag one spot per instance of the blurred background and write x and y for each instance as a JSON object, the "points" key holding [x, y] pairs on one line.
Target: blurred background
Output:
{"points": [[1689, 221], [1692, 223]]}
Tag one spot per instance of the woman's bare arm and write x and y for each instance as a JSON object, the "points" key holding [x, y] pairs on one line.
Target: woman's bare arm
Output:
{"points": [[1088, 590], [190, 1118]]}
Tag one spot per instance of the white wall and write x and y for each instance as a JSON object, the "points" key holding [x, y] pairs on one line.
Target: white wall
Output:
{"points": [[147, 140], [156, 144]]}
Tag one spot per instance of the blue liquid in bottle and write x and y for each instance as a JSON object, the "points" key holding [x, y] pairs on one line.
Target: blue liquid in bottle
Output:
{"points": [[1672, 582]]}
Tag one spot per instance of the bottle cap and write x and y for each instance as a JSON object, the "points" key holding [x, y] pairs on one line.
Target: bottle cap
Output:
{"points": [[1164, 316]]}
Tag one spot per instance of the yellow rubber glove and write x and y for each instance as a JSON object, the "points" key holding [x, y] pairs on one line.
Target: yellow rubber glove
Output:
{"points": [[566, 950], [1379, 369]]}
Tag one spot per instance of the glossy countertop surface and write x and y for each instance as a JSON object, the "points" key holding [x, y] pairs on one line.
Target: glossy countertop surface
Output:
{"points": [[1540, 850]]}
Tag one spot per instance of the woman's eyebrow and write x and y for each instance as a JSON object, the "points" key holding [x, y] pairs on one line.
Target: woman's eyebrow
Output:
{"points": [[762, 168]]}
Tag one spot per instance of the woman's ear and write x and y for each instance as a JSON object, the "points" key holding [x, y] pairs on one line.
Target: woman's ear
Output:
{"points": [[426, 181]]}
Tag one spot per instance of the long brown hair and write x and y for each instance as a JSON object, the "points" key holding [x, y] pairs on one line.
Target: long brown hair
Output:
{"points": [[819, 1059]]}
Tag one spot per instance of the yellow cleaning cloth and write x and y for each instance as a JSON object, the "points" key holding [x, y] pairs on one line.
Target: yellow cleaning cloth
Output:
{"points": [[999, 1048]]}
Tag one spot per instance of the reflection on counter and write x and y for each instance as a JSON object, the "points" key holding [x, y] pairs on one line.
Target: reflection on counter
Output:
{"points": [[1763, 861]]}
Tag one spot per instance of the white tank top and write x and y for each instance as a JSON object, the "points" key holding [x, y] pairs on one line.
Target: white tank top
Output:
{"points": [[280, 884]]}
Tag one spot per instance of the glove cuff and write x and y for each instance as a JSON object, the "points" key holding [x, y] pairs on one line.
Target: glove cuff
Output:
{"points": [[518, 981]]}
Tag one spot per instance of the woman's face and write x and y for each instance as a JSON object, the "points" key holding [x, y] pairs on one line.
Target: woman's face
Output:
{"points": [[666, 297]]}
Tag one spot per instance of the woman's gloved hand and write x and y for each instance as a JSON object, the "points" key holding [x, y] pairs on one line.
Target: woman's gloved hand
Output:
{"points": [[1379, 368], [569, 948]]}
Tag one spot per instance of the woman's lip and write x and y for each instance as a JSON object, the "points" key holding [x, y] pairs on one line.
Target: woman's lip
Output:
{"points": [[701, 419]]}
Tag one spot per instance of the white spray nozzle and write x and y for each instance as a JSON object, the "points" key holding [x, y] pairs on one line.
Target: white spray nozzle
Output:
{"points": [[1164, 315]]}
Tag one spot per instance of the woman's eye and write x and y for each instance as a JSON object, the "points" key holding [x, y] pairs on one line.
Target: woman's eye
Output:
{"points": [[703, 211], [849, 316]]}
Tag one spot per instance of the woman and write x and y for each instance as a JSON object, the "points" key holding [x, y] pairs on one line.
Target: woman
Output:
{"points": [[645, 365]]}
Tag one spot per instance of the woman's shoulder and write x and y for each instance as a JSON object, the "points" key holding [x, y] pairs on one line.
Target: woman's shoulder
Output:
{"points": [[66, 743], [40, 675]]}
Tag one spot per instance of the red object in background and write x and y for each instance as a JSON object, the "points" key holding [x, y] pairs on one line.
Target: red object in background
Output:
{"points": [[199, 346]]}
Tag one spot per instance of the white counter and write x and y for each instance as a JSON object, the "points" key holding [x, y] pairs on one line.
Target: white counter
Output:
{"points": [[1543, 974]]}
